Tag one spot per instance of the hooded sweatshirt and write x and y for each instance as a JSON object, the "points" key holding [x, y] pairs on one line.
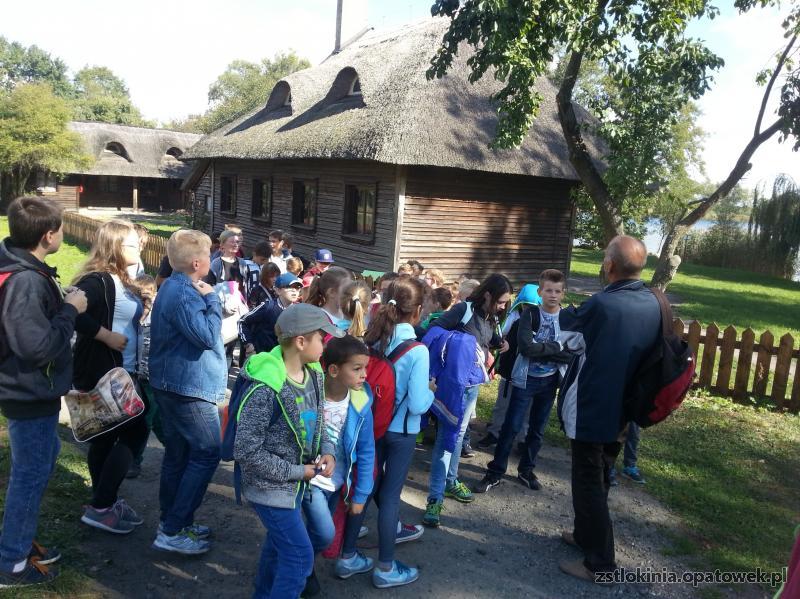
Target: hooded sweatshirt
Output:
{"points": [[269, 450], [36, 327]]}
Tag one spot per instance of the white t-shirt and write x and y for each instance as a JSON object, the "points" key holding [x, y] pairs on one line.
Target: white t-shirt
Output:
{"points": [[280, 261], [335, 418]]}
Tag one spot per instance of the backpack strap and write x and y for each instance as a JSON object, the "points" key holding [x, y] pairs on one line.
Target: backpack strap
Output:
{"points": [[398, 352], [467, 314], [666, 312]]}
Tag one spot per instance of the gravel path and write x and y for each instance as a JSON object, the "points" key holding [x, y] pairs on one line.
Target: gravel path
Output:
{"points": [[503, 545]]}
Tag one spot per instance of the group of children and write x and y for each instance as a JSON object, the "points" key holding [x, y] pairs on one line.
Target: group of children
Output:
{"points": [[313, 441]]}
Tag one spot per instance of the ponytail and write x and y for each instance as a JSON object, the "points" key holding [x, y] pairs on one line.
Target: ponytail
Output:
{"points": [[403, 297], [355, 303], [331, 279]]}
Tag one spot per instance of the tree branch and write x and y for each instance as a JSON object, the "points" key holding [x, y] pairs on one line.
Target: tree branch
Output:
{"points": [[772, 80]]}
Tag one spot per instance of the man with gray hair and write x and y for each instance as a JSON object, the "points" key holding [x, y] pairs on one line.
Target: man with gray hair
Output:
{"points": [[620, 326]]}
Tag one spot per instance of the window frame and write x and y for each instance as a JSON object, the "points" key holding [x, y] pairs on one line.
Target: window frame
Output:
{"points": [[348, 218], [301, 224], [234, 186], [258, 216]]}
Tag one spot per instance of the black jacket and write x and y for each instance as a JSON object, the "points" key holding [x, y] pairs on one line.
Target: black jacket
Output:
{"points": [[36, 327], [94, 358], [483, 329]]}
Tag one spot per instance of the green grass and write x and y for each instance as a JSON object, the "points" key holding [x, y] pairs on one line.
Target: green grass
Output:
{"points": [[68, 259], [724, 296], [58, 519]]}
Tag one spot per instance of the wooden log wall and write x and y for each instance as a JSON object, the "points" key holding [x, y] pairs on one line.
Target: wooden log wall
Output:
{"points": [[65, 196], [479, 223]]}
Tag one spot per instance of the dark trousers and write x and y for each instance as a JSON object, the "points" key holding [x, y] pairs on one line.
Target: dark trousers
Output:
{"points": [[593, 532], [110, 456]]}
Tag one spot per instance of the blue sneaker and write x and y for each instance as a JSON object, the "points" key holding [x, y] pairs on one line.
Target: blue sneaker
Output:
{"points": [[632, 472], [182, 542], [399, 575], [198, 530], [358, 564], [612, 477]]}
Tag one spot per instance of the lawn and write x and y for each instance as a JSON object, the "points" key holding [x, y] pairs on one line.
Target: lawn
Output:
{"points": [[67, 260], [724, 296]]}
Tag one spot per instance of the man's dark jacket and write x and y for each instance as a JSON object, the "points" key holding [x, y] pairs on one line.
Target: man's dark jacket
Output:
{"points": [[36, 327]]}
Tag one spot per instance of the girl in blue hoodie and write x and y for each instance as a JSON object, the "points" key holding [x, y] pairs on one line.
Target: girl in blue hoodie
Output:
{"points": [[393, 324]]}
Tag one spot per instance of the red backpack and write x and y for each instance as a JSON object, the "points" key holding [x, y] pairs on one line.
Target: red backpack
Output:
{"points": [[381, 379], [661, 382]]}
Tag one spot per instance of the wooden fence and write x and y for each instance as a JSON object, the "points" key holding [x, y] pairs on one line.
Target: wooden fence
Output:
{"points": [[736, 366], [81, 229]]}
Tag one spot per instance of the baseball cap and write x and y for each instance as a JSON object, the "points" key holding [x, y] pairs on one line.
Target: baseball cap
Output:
{"points": [[302, 319], [287, 279], [323, 255]]}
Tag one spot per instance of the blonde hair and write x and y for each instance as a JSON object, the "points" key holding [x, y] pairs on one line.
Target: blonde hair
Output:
{"points": [[147, 292], [435, 274], [227, 234], [106, 254], [186, 245], [405, 269], [467, 287], [354, 301], [294, 265]]}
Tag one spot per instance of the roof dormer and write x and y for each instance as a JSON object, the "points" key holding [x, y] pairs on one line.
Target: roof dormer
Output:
{"points": [[280, 97]]}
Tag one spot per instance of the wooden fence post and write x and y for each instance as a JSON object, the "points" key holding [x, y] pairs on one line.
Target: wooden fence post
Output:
{"points": [[762, 364], [726, 361], [678, 326], [695, 330], [782, 364], [743, 365], [709, 355]]}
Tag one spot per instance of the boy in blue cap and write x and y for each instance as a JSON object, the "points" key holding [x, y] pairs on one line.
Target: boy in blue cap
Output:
{"points": [[257, 327], [322, 261]]}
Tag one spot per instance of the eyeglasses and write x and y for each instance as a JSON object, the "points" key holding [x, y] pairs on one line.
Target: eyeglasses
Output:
{"points": [[131, 245]]}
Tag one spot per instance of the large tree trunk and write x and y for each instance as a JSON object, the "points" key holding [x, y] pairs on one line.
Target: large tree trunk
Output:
{"points": [[607, 208]]}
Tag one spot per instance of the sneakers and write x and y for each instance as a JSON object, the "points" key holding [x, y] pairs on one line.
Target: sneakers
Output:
{"points": [[467, 451], [632, 472], [128, 513], [612, 477], [358, 564], [43, 555], [487, 441], [408, 532], [363, 532], [459, 492], [432, 512], [203, 532], [488, 482], [109, 519], [529, 480], [34, 572], [399, 575], [184, 542]]}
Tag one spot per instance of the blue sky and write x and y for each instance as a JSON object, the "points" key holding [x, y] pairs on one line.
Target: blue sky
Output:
{"points": [[169, 52]]}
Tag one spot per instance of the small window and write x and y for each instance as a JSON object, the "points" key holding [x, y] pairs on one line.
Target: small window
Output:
{"points": [[355, 87], [359, 210], [116, 148], [227, 194], [174, 152], [262, 199], [304, 204]]}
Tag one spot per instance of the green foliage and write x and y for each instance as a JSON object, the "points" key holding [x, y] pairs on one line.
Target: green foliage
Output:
{"points": [[243, 87], [34, 136], [19, 65], [775, 228], [99, 95]]}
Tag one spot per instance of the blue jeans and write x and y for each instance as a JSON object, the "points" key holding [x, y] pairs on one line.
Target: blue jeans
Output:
{"points": [[287, 555], [444, 465], [319, 520], [393, 455], [541, 392], [191, 455], [34, 448], [631, 446]]}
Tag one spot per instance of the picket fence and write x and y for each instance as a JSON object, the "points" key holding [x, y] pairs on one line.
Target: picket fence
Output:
{"points": [[81, 229]]}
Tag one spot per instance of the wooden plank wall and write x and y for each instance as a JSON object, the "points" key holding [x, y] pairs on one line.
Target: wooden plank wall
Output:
{"points": [[65, 195], [479, 223], [332, 175]]}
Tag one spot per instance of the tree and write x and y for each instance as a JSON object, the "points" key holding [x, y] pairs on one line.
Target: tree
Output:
{"points": [[643, 47], [19, 65], [103, 97], [246, 85], [34, 136], [774, 230]]}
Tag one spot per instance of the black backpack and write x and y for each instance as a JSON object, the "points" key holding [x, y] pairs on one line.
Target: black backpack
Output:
{"points": [[662, 380]]}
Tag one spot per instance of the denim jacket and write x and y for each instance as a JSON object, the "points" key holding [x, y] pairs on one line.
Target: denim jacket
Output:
{"points": [[186, 352]]}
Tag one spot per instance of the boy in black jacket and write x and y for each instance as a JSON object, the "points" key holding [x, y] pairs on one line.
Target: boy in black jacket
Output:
{"points": [[36, 325]]}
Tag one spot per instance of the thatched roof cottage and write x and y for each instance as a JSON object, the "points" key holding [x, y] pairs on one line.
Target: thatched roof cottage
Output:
{"points": [[134, 167], [363, 155]]}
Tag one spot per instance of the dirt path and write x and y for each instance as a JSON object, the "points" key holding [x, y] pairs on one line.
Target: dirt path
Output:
{"points": [[503, 545]]}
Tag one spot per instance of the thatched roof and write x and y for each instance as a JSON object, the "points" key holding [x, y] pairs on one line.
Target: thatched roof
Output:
{"points": [[124, 151], [400, 118]]}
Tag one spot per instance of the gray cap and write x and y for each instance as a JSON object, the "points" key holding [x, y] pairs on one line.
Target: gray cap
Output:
{"points": [[302, 319]]}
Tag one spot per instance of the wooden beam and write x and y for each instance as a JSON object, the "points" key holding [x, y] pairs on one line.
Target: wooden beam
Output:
{"points": [[401, 176], [135, 194]]}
